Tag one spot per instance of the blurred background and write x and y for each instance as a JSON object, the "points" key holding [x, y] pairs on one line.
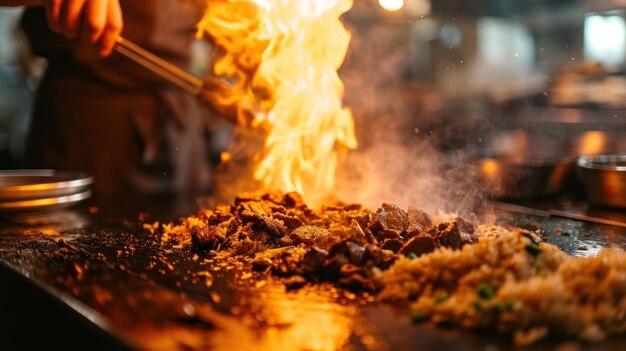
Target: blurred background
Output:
{"points": [[541, 76]]}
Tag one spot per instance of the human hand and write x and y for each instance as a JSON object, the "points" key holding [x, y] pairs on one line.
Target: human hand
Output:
{"points": [[97, 21]]}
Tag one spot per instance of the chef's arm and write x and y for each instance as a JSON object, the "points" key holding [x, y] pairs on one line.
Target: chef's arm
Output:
{"points": [[98, 21]]}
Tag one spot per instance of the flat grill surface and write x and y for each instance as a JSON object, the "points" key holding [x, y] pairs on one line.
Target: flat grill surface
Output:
{"points": [[153, 296]]}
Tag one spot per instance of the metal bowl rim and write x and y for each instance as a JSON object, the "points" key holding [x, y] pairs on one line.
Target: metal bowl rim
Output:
{"points": [[594, 162], [72, 180], [44, 203]]}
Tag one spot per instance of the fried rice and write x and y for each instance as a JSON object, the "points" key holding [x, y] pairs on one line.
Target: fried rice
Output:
{"points": [[507, 283]]}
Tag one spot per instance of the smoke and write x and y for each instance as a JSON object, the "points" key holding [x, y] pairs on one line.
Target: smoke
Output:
{"points": [[398, 160]]}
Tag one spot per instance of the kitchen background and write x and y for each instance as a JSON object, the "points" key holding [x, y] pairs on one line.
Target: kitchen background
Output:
{"points": [[538, 77]]}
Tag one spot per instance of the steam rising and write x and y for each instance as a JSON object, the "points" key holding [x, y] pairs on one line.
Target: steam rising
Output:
{"points": [[395, 162]]}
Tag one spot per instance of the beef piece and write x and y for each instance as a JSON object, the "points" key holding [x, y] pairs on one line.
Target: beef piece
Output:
{"points": [[352, 233], [264, 208], [392, 244], [312, 235], [467, 231], [206, 237], [467, 238], [313, 260], [355, 252], [420, 217], [235, 225], [249, 196], [332, 267], [275, 197], [389, 234], [340, 248], [336, 208], [465, 226], [220, 215], [447, 235], [372, 255], [286, 241], [397, 218], [413, 230], [389, 217], [292, 199], [267, 224], [362, 219], [291, 222], [419, 245]]}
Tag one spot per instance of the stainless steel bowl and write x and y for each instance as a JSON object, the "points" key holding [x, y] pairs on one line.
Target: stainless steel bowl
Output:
{"points": [[524, 178], [35, 184], [604, 178]]}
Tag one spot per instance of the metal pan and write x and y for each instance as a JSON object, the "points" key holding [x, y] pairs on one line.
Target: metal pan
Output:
{"points": [[604, 177], [16, 185]]}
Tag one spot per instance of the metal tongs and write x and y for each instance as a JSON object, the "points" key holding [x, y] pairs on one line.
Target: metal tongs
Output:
{"points": [[160, 67], [212, 91]]}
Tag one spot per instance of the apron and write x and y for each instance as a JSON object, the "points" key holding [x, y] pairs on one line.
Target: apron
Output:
{"points": [[112, 118]]}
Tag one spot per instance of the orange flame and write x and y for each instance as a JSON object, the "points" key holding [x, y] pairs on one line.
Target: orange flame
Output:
{"points": [[282, 57]]}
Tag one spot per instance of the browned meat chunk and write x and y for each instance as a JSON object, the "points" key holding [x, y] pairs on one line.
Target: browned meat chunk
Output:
{"points": [[250, 196], [467, 231], [235, 225], [206, 237], [465, 226], [355, 252], [467, 238], [418, 245], [372, 255], [447, 235], [392, 245], [276, 198], [313, 236], [314, 259], [389, 222], [267, 224], [413, 230], [396, 217], [420, 217], [292, 200], [291, 222]]}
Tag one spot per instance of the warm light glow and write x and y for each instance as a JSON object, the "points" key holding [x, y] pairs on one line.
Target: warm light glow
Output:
{"points": [[282, 57], [592, 143], [391, 5], [491, 168]]}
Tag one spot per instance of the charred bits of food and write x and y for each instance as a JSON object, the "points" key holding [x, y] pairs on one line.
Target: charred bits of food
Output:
{"points": [[343, 243]]}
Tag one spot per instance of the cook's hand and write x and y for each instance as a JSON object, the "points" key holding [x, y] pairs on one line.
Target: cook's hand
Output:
{"points": [[99, 21]]}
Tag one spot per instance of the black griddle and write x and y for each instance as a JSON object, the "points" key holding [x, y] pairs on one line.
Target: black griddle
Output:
{"points": [[113, 285]]}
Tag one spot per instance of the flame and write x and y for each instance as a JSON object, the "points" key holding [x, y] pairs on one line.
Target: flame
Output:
{"points": [[282, 58]]}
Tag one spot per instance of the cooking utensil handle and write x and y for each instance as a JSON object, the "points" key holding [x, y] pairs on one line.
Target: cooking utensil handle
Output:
{"points": [[160, 67]]}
